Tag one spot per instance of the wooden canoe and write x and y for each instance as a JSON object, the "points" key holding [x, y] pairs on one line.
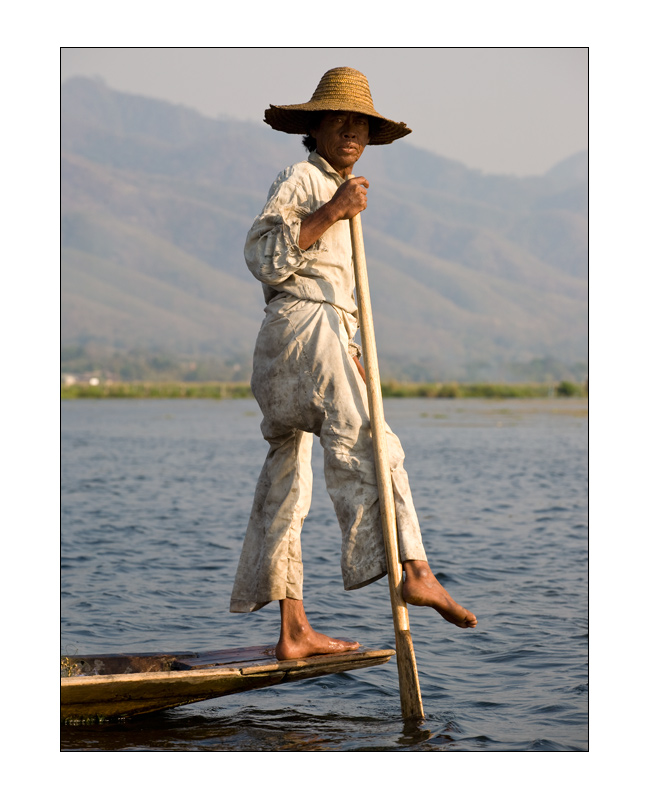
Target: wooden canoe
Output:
{"points": [[98, 687]]}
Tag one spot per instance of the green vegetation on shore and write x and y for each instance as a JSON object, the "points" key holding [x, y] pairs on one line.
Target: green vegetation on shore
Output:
{"points": [[496, 390], [223, 390], [211, 391]]}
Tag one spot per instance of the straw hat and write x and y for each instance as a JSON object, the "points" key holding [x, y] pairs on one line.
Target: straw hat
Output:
{"points": [[340, 89]]}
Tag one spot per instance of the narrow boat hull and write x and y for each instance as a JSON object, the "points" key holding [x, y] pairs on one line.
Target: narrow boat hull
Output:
{"points": [[120, 685]]}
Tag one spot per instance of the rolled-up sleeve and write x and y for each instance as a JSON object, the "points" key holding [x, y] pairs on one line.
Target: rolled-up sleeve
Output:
{"points": [[272, 251]]}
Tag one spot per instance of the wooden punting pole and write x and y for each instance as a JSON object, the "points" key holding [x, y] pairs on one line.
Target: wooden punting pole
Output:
{"points": [[409, 684]]}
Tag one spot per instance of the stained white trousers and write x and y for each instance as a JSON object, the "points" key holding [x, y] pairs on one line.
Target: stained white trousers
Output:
{"points": [[306, 382]]}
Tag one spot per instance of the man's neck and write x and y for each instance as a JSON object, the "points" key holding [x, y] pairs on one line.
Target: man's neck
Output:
{"points": [[345, 172]]}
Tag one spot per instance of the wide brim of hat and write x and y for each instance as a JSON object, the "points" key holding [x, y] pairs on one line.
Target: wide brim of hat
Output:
{"points": [[298, 119]]}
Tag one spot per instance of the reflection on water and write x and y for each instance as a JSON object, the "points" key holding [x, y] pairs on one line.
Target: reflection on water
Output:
{"points": [[156, 496]]}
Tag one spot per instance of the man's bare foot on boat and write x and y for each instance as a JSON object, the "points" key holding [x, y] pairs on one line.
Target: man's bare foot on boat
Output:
{"points": [[299, 640], [421, 588]]}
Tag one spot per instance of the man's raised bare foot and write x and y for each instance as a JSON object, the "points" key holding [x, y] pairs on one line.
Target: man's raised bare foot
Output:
{"points": [[421, 588], [299, 640]]}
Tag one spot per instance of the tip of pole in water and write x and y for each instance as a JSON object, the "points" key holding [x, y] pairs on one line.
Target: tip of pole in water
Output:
{"points": [[409, 683]]}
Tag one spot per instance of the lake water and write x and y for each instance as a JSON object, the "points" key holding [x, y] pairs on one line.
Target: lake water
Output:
{"points": [[155, 500]]}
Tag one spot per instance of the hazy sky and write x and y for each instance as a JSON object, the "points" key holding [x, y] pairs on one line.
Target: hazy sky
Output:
{"points": [[502, 110]]}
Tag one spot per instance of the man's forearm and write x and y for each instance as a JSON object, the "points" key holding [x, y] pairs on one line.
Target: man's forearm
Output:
{"points": [[315, 225], [348, 201]]}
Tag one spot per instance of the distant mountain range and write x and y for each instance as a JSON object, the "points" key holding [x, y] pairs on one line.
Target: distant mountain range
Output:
{"points": [[472, 276]]}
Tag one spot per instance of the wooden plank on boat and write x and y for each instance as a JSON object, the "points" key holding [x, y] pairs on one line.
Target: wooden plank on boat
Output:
{"points": [[340, 659], [242, 655], [107, 686]]}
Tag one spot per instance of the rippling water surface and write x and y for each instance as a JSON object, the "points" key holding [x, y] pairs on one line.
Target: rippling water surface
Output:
{"points": [[156, 497]]}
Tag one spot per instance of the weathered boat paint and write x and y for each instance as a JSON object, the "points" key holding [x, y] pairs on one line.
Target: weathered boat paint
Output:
{"points": [[101, 687]]}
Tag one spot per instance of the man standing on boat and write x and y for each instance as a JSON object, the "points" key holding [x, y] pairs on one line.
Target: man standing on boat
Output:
{"points": [[308, 379]]}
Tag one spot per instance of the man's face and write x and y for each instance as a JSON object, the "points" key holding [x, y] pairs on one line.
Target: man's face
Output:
{"points": [[341, 139]]}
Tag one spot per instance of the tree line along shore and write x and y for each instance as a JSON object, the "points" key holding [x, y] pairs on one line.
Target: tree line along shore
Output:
{"points": [[222, 390]]}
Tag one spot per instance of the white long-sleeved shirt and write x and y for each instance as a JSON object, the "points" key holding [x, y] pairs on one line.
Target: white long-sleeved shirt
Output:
{"points": [[322, 272]]}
